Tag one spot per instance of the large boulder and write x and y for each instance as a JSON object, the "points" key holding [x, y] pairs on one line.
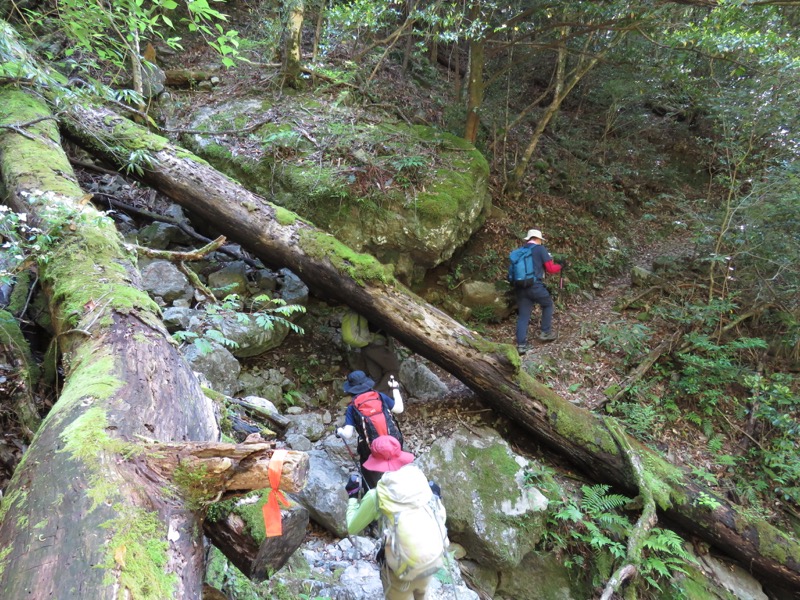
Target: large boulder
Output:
{"points": [[408, 194], [491, 512]]}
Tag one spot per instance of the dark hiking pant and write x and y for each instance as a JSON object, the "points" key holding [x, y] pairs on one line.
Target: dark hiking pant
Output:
{"points": [[379, 361], [526, 298]]}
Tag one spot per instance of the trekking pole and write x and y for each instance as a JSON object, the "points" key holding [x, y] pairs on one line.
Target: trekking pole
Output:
{"points": [[355, 461]]}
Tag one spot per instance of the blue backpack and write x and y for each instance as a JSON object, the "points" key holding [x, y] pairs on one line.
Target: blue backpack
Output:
{"points": [[521, 273]]}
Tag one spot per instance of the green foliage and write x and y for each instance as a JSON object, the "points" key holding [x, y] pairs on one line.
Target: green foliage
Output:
{"points": [[664, 555], [776, 411], [641, 419], [593, 526], [708, 368], [627, 340], [706, 501], [273, 311], [24, 242], [594, 522]]}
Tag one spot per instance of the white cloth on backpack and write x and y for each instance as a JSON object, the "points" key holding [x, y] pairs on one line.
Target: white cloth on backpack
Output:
{"points": [[414, 532]]}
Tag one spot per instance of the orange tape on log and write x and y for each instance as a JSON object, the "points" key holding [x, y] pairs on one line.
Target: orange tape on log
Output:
{"points": [[271, 510]]}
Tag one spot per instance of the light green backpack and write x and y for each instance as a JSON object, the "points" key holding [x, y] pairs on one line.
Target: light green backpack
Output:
{"points": [[355, 330]]}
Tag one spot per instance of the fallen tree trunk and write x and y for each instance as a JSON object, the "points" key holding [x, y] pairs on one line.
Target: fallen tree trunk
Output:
{"points": [[255, 555], [91, 512], [282, 239]]}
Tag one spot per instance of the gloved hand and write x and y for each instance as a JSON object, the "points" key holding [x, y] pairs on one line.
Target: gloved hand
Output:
{"points": [[435, 489], [353, 485], [345, 432], [393, 383], [564, 263]]}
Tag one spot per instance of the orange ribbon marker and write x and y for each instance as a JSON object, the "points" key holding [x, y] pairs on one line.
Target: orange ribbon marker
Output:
{"points": [[271, 510]]}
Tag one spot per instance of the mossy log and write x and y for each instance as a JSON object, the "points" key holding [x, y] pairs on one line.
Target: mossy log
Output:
{"points": [[255, 555], [81, 516], [282, 239], [218, 467], [183, 78], [18, 374]]}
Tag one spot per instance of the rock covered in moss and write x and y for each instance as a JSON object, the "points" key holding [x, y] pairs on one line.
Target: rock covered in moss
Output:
{"points": [[410, 195], [490, 510]]}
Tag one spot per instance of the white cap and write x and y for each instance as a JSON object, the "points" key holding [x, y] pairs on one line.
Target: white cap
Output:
{"points": [[534, 233]]}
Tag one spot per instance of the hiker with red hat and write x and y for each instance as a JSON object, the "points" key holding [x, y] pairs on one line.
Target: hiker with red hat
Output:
{"points": [[370, 415], [412, 516], [526, 272]]}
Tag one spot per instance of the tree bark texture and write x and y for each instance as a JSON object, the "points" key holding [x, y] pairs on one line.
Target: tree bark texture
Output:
{"points": [[282, 239], [257, 556], [475, 85], [80, 519]]}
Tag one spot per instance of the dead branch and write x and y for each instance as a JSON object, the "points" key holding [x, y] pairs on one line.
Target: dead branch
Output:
{"points": [[638, 297], [226, 467], [646, 522], [182, 225], [171, 256], [273, 416]]}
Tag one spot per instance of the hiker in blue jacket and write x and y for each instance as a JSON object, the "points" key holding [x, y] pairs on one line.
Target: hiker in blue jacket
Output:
{"points": [[369, 427], [531, 290]]}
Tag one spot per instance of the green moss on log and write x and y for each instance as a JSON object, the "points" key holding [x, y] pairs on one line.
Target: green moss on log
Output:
{"points": [[87, 279], [362, 268], [86, 439], [32, 164], [4, 552], [137, 555]]}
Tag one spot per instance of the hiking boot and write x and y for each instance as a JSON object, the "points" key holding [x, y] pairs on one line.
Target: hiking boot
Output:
{"points": [[547, 337], [523, 349]]}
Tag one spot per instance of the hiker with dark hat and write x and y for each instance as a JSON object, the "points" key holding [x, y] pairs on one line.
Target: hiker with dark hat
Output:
{"points": [[413, 520], [370, 415], [526, 272]]}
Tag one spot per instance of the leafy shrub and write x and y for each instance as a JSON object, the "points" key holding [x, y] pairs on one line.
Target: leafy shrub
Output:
{"points": [[628, 340]]}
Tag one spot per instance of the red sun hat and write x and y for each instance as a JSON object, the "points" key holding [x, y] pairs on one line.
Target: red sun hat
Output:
{"points": [[387, 455]]}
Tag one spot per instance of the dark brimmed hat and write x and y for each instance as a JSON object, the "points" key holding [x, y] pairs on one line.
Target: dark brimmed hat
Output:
{"points": [[387, 455], [358, 383]]}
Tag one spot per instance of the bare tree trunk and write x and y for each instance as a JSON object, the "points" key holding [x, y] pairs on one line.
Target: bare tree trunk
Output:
{"points": [[475, 86], [281, 239], [92, 512], [292, 62], [564, 83]]}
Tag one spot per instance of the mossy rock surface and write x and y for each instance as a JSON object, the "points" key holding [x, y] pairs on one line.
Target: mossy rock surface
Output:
{"points": [[490, 511], [408, 194]]}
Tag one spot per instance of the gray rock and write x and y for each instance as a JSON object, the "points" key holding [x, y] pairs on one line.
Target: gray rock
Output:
{"points": [[219, 366], [292, 289], [420, 382], [163, 279], [541, 577], [161, 236], [230, 279], [309, 425], [734, 578], [490, 510], [179, 318], [324, 495], [481, 295], [641, 277], [412, 233], [299, 442], [252, 338]]}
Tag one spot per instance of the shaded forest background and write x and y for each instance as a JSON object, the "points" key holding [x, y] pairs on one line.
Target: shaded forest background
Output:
{"points": [[614, 121]]}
